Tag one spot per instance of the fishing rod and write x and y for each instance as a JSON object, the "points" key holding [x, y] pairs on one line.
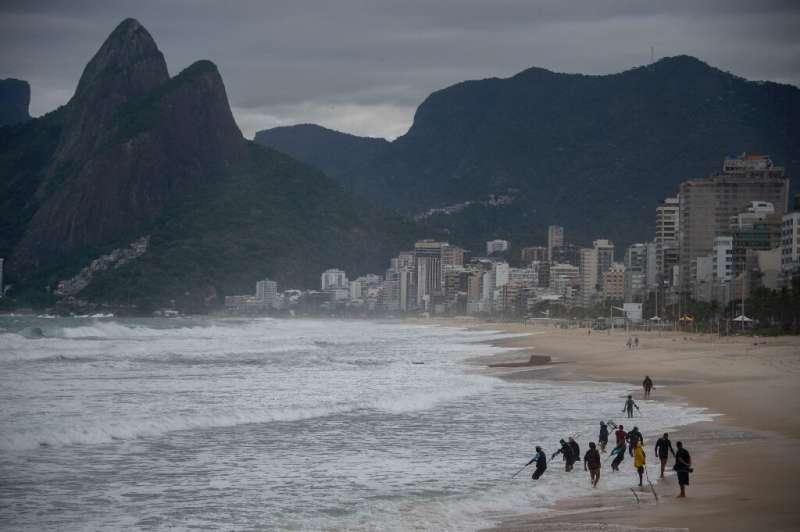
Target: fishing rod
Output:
{"points": [[520, 471], [652, 488]]}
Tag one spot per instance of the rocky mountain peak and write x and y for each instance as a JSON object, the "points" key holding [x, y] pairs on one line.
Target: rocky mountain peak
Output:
{"points": [[15, 98], [127, 66]]}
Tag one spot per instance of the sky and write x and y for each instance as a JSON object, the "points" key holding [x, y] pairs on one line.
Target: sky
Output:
{"points": [[363, 66]]}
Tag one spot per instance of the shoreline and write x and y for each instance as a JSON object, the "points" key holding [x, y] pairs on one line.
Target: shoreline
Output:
{"points": [[744, 469]]}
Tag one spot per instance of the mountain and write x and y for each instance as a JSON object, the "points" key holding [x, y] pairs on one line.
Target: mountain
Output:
{"points": [[340, 154], [15, 98], [592, 153], [134, 154]]}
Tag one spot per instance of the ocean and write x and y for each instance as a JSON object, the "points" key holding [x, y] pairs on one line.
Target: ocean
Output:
{"points": [[267, 424]]}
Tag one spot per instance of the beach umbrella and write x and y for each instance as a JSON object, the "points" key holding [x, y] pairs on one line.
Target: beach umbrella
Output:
{"points": [[742, 318]]}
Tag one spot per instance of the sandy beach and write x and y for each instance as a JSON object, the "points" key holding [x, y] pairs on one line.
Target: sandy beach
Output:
{"points": [[746, 474]]}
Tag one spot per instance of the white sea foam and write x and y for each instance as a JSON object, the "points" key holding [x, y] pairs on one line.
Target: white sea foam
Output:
{"points": [[167, 424]]}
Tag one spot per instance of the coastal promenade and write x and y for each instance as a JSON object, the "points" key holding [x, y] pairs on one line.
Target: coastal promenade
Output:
{"points": [[747, 475]]}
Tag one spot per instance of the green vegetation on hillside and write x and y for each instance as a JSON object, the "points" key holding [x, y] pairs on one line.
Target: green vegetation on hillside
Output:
{"points": [[269, 217]]}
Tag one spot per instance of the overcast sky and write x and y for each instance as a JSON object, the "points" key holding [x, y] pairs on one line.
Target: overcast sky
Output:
{"points": [[364, 66]]}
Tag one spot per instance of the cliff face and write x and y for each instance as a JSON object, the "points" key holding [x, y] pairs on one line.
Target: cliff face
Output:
{"points": [[132, 140], [139, 157], [15, 99], [593, 153]]}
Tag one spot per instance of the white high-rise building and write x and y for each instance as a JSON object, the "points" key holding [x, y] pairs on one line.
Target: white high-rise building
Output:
{"points": [[666, 237], [722, 259], [266, 292], [334, 279], [790, 243], [501, 271], [496, 246]]}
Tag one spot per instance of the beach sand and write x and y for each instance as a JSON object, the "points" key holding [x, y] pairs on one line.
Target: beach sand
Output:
{"points": [[747, 462]]}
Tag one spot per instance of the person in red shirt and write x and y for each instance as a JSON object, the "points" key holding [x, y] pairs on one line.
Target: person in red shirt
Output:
{"points": [[621, 435]]}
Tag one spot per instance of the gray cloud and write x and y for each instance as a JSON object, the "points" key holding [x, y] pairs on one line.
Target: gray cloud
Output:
{"points": [[363, 66]]}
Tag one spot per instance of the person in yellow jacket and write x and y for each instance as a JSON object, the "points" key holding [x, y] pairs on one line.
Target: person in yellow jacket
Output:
{"points": [[639, 460]]}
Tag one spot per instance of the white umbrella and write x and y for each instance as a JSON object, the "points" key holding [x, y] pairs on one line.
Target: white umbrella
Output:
{"points": [[742, 318]]}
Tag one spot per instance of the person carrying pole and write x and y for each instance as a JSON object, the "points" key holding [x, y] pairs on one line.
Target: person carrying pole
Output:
{"points": [[639, 460], [634, 437], [602, 439], [662, 450], [540, 458], [629, 406], [619, 455], [566, 452], [576, 450], [591, 463]]}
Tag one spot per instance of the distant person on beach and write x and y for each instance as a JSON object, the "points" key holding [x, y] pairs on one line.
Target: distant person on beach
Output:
{"points": [[636, 342], [541, 463], [629, 406], [621, 435], [629, 342], [683, 465], [663, 448], [634, 438], [591, 463], [619, 455], [639, 460], [566, 453], [647, 384], [603, 437]]}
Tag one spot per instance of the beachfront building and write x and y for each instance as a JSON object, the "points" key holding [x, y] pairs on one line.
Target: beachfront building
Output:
{"points": [[267, 292], [566, 254], [534, 253], [589, 280], [565, 279], [334, 279], [555, 238], [614, 282], [2, 290], [756, 229], [707, 204], [790, 245], [666, 238]]}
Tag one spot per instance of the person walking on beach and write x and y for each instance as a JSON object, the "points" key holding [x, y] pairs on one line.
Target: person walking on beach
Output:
{"points": [[591, 463], [636, 342], [683, 465], [647, 384], [634, 438], [629, 406], [639, 460], [629, 342], [619, 455], [662, 450], [621, 435], [566, 452], [576, 450], [602, 439], [541, 463]]}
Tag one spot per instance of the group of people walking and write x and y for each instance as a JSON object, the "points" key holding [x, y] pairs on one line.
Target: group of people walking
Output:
{"points": [[626, 442]]}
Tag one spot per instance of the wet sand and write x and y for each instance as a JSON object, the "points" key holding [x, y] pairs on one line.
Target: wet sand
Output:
{"points": [[747, 471]]}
